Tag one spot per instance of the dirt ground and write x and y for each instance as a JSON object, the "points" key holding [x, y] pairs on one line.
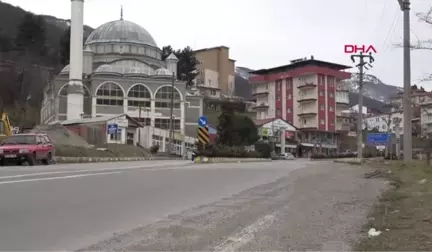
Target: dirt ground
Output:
{"points": [[321, 206], [404, 213]]}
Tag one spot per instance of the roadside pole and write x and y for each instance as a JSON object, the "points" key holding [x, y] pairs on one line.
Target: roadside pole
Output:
{"points": [[361, 66], [407, 117]]}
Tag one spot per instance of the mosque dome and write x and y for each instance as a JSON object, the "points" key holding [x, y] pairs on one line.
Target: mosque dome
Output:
{"points": [[121, 31]]}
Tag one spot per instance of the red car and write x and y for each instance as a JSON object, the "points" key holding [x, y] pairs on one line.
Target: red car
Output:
{"points": [[30, 148]]}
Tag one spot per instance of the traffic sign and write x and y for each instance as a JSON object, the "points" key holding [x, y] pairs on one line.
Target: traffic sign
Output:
{"points": [[378, 138], [203, 121], [203, 135], [112, 128]]}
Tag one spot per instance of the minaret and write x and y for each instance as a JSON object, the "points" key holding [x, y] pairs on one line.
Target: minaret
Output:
{"points": [[75, 97], [171, 62]]}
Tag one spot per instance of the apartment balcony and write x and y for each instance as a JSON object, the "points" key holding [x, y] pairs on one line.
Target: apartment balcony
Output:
{"points": [[307, 98], [307, 85], [202, 85], [342, 100], [343, 127], [308, 125], [307, 113], [260, 93], [261, 106], [342, 90]]}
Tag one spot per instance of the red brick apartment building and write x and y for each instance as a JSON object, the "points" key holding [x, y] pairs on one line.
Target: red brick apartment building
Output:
{"points": [[308, 94]]}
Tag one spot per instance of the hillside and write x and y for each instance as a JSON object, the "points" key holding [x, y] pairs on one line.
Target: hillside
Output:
{"points": [[373, 87], [11, 16]]}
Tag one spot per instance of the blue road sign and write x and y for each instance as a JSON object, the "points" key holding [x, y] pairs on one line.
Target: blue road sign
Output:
{"points": [[203, 121], [378, 138], [112, 128]]}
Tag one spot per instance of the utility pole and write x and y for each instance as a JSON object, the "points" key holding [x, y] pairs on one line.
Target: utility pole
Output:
{"points": [[361, 66], [407, 123], [171, 114], [139, 119]]}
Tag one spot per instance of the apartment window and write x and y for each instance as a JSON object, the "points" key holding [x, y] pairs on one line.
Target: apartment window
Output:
{"points": [[304, 121], [321, 93], [288, 110], [331, 95], [213, 92], [322, 107], [288, 84], [331, 108], [289, 96], [278, 97], [266, 86], [377, 119], [322, 121], [209, 82], [332, 121], [278, 112]]}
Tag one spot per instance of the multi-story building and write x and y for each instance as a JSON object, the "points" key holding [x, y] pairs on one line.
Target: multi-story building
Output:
{"points": [[307, 93], [390, 122], [216, 71]]}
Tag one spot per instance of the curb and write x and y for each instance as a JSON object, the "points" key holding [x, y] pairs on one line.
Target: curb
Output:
{"points": [[107, 159], [212, 160], [354, 161]]}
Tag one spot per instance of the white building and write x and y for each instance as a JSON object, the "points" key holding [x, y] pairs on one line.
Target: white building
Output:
{"points": [[384, 122]]}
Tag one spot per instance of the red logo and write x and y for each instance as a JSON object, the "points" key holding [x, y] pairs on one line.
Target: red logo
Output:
{"points": [[359, 48]]}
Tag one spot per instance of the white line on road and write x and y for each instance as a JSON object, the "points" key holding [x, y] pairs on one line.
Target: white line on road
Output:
{"points": [[88, 170], [53, 178], [246, 235]]}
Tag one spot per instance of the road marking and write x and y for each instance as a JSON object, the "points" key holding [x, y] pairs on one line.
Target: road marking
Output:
{"points": [[72, 166], [88, 170], [54, 178], [246, 235]]}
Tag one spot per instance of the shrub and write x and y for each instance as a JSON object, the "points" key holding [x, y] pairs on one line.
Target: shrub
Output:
{"points": [[154, 149], [228, 151], [264, 148]]}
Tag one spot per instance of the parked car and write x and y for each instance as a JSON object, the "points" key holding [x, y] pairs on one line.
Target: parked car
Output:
{"points": [[31, 148], [285, 156]]}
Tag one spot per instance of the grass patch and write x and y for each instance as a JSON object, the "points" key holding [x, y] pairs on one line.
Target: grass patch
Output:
{"points": [[404, 213]]}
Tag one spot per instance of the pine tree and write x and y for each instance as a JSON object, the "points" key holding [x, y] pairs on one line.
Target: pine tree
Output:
{"points": [[65, 47], [187, 66], [166, 51], [30, 36]]}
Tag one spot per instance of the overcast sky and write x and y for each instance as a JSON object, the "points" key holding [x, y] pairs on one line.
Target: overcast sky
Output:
{"points": [[268, 33]]}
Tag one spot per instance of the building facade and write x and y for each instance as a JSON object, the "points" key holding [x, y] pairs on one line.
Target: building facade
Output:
{"points": [[123, 74], [307, 93], [216, 72]]}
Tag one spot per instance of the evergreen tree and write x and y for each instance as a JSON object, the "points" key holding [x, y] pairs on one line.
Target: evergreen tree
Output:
{"points": [[226, 125], [30, 36], [166, 51], [187, 66], [64, 53]]}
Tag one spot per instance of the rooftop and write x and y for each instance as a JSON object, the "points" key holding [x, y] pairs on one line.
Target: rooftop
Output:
{"points": [[300, 63]]}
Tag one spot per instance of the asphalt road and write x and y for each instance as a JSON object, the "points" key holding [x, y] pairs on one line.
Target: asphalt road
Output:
{"points": [[70, 207]]}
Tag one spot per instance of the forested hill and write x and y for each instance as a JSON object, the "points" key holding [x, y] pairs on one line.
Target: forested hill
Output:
{"points": [[11, 16]]}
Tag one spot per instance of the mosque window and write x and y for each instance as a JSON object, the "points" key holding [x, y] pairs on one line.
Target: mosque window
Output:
{"points": [[109, 94], [164, 123], [163, 97], [138, 96]]}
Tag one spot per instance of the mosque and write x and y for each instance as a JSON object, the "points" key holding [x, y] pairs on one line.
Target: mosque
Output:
{"points": [[122, 73]]}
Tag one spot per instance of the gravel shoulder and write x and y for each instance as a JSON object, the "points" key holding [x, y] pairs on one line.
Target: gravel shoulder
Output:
{"points": [[321, 207]]}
